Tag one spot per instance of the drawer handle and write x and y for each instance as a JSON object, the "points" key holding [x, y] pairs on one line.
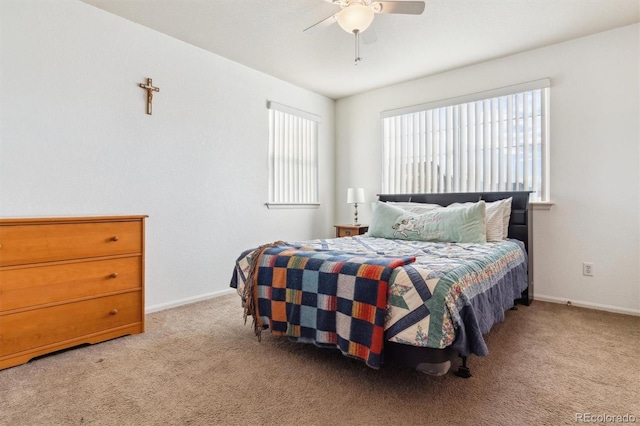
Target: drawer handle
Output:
{"points": [[115, 238], [113, 312], [114, 275], [347, 232]]}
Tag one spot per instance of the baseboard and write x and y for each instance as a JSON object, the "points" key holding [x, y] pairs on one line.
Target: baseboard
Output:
{"points": [[188, 300], [580, 304]]}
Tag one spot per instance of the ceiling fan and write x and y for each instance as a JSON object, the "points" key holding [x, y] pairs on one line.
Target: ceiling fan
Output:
{"points": [[356, 15]]}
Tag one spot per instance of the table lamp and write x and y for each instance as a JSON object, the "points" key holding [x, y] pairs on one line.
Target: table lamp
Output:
{"points": [[355, 196]]}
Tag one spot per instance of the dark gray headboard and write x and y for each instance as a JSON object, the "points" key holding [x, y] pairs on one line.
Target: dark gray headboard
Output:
{"points": [[520, 224]]}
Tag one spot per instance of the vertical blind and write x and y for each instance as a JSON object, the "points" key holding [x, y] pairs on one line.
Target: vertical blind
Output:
{"points": [[293, 155], [494, 141]]}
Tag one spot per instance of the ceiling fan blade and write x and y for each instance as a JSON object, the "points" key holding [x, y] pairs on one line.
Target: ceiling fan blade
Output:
{"points": [[322, 24], [405, 7]]}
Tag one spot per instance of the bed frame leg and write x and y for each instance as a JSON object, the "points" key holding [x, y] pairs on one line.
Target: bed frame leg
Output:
{"points": [[463, 370]]}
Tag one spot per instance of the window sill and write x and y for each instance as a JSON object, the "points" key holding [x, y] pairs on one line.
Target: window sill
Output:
{"points": [[292, 205], [541, 205]]}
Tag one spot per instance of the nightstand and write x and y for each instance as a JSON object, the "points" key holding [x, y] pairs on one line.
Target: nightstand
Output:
{"points": [[350, 230]]}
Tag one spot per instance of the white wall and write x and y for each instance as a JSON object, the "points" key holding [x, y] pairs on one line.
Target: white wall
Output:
{"points": [[595, 158], [75, 140]]}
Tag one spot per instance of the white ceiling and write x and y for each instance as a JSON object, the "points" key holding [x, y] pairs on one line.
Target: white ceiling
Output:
{"points": [[267, 35]]}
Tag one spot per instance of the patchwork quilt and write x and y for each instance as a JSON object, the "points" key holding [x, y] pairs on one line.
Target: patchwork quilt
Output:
{"points": [[449, 296], [329, 298]]}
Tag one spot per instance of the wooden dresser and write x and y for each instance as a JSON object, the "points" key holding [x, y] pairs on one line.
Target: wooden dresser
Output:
{"points": [[67, 281]]}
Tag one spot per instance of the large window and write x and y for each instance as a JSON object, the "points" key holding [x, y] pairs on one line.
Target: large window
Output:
{"points": [[491, 141], [293, 157]]}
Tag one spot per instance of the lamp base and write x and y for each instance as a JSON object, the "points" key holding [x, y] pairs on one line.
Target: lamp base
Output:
{"points": [[355, 214]]}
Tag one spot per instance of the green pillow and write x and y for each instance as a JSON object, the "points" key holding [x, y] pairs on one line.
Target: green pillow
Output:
{"points": [[463, 224]]}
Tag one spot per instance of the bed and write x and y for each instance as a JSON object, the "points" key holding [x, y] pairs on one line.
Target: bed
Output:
{"points": [[389, 296]]}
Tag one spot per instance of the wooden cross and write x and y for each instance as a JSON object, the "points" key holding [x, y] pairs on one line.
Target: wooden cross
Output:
{"points": [[150, 89]]}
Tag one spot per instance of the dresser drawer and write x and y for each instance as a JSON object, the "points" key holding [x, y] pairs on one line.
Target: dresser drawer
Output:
{"points": [[23, 244], [347, 232], [25, 286], [350, 230], [36, 328]]}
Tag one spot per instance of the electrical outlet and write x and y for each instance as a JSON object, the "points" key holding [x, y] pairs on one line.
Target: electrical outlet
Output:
{"points": [[587, 269]]}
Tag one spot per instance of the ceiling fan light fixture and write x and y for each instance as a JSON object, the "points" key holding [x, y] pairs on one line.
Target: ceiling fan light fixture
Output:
{"points": [[356, 17]]}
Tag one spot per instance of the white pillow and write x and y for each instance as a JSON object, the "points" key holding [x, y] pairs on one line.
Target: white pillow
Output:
{"points": [[417, 208], [494, 219], [505, 205]]}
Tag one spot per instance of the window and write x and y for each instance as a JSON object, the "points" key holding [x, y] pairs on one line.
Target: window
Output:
{"points": [[293, 157], [491, 141]]}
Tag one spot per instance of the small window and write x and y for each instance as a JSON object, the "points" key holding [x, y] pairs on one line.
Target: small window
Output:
{"points": [[492, 141], [293, 157]]}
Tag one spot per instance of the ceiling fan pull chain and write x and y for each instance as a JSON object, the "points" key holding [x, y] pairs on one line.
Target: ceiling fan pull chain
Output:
{"points": [[358, 58]]}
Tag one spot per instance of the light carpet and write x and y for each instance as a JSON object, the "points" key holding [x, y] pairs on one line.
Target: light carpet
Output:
{"points": [[199, 364]]}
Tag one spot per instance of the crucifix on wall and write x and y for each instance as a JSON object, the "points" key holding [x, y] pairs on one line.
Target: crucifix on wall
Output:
{"points": [[150, 89]]}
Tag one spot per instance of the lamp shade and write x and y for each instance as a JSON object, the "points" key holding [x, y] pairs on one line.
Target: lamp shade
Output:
{"points": [[356, 17], [355, 195]]}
